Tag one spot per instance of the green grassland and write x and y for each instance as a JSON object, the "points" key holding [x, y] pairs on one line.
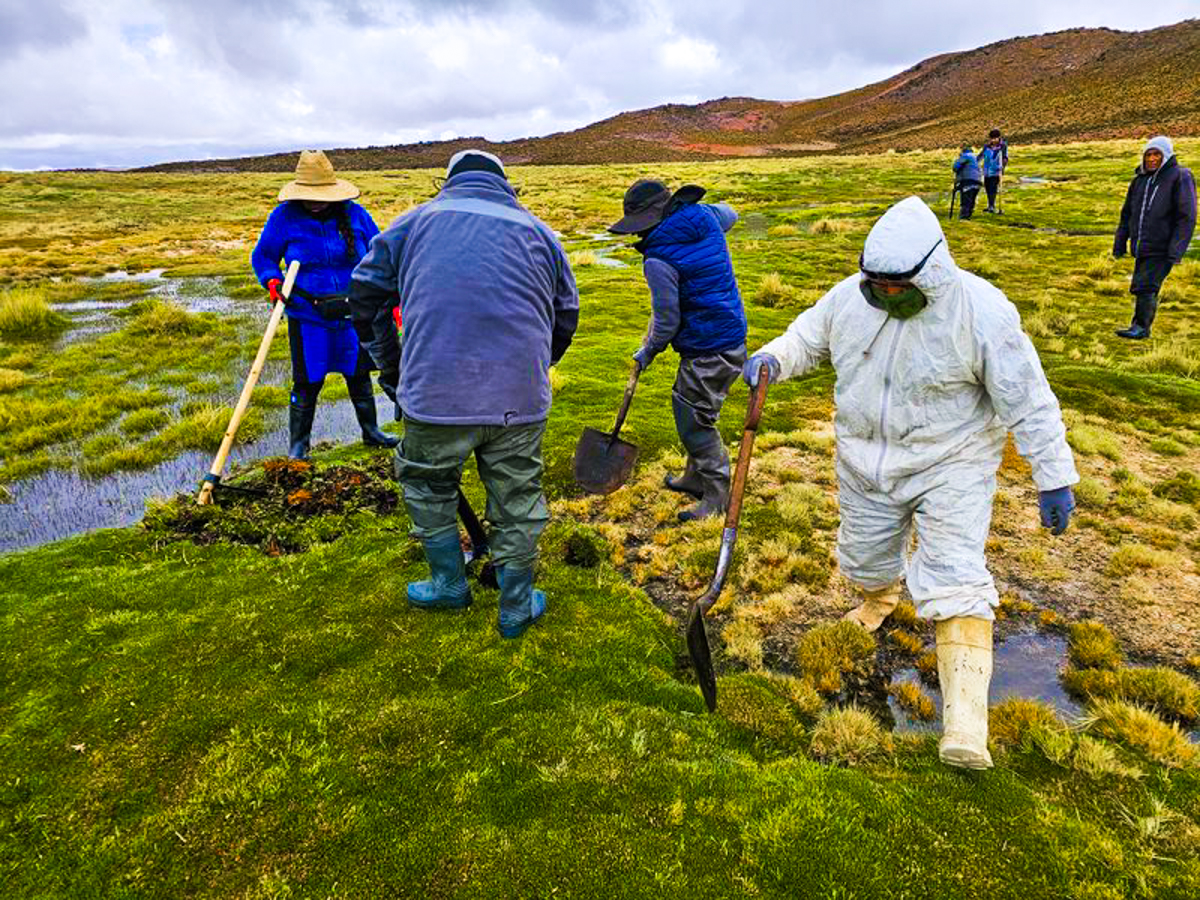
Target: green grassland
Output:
{"points": [[258, 717]]}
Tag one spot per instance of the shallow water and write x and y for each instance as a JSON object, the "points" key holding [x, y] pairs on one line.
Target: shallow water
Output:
{"points": [[1026, 664], [59, 504]]}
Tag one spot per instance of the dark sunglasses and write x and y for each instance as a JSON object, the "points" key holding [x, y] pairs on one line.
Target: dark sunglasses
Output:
{"points": [[898, 276]]}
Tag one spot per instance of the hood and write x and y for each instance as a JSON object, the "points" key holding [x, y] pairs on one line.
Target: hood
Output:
{"points": [[475, 180], [1163, 145], [899, 240]]}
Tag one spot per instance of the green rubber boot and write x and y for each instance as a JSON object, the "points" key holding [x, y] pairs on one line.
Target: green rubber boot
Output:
{"points": [[520, 604], [447, 587]]}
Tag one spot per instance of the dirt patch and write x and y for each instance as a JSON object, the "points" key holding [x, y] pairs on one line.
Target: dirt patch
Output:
{"points": [[282, 506]]}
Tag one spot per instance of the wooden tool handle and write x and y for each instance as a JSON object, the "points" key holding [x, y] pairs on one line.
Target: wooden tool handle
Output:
{"points": [[264, 347], [753, 413], [630, 385]]}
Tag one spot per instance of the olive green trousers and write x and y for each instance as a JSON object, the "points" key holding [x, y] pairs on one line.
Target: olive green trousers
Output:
{"points": [[429, 465]]}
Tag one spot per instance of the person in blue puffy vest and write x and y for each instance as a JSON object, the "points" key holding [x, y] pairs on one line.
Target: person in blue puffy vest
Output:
{"points": [[994, 160], [697, 310], [318, 223], [967, 181]]}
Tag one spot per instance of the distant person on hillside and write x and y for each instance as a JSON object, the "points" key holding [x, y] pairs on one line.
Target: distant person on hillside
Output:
{"points": [[933, 371], [489, 303], [994, 160], [967, 181], [1157, 223], [318, 223], [697, 310]]}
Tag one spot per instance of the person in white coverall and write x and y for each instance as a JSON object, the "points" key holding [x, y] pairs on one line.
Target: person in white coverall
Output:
{"points": [[933, 371]]}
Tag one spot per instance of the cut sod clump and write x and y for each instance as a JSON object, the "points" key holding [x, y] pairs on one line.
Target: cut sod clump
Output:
{"points": [[584, 547], [1092, 646], [831, 226], [830, 653], [849, 737], [1141, 730], [1170, 693], [25, 315]]}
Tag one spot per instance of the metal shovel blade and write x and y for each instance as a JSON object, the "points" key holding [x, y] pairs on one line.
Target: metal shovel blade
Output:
{"points": [[602, 463], [697, 642]]}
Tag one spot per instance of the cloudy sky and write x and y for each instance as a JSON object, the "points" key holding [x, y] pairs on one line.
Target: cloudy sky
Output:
{"points": [[127, 82]]}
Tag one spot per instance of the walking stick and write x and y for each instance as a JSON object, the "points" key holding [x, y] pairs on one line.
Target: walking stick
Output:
{"points": [[213, 478], [1000, 194], [697, 637]]}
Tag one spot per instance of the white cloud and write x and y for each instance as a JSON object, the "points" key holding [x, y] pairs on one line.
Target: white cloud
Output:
{"points": [[134, 81]]}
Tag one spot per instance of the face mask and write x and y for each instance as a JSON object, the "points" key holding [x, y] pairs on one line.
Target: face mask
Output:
{"points": [[899, 304], [902, 304]]}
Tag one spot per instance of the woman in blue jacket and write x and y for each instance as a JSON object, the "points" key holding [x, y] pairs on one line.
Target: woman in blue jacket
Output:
{"points": [[318, 223]]}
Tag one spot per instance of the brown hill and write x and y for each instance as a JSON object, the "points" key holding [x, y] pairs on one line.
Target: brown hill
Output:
{"points": [[1082, 84]]}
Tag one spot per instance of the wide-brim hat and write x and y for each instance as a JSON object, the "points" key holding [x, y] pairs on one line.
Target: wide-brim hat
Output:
{"points": [[315, 180], [648, 202]]}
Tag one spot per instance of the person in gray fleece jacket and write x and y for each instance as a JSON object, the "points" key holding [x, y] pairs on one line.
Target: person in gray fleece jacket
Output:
{"points": [[489, 303]]}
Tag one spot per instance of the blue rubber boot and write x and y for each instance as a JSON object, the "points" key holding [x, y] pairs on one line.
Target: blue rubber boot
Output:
{"points": [[520, 604], [447, 588]]}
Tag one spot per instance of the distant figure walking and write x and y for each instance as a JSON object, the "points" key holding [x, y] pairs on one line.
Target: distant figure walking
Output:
{"points": [[994, 160], [1157, 222], [318, 223], [967, 181]]}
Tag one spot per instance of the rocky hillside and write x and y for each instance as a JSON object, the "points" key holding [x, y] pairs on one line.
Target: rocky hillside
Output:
{"points": [[1081, 84]]}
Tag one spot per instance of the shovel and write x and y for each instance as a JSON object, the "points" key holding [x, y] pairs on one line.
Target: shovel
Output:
{"points": [[213, 478], [603, 461], [479, 542], [953, 194], [697, 637]]}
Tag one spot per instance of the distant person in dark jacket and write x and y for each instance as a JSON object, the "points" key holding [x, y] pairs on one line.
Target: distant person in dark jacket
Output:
{"points": [[489, 303], [967, 181], [697, 309], [994, 160], [318, 223], [1157, 222]]}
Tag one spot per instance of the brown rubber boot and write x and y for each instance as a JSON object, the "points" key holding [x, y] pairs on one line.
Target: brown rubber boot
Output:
{"points": [[964, 655], [876, 606]]}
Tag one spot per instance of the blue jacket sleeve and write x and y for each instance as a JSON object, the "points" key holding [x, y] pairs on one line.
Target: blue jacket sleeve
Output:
{"points": [[566, 308], [269, 249], [375, 286], [726, 215]]}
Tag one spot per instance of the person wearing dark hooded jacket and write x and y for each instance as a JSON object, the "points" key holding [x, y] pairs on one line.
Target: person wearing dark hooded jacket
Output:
{"points": [[697, 309], [967, 181], [1157, 223]]}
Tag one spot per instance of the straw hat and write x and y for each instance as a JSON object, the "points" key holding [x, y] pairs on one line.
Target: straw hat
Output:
{"points": [[315, 180]]}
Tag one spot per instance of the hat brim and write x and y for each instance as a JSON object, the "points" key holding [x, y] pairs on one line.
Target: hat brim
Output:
{"points": [[689, 193], [637, 222], [341, 189]]}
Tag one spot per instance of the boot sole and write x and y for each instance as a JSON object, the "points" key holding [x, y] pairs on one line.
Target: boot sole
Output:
{"points": [[965, 757], [440, 604], [515, 631]]}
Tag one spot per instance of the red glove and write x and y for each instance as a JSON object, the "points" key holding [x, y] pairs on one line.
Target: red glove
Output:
{"points": [[273, 286]]}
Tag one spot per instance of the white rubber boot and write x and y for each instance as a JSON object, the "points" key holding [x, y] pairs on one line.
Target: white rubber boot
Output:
{"points": [[964, 655], [876, 606]]}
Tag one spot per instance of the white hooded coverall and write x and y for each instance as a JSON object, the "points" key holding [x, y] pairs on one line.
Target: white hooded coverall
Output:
{"points": [[923, 409]]}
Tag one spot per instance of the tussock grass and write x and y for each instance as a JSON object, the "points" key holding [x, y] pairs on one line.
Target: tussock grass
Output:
{"points": [[1170, 693], [1098, 759], [160, 319], [25, 315], [849, 737], [11, 379], [1130, 558], [1013, 721], [143, 421], [744, 642], [782, 231], [1090, 492], [1091, 440], [831, 226], [1144, 732], [1170, 356], [913, 700], [583, 258], [773, 291], [1090, 645], [828, 653]]}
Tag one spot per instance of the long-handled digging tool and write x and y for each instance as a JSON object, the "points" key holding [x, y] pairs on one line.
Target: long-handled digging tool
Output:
{"points": [[1000, 194], [953, 194], [213, 478], [479, 543], [697, 637], [603, 461]]}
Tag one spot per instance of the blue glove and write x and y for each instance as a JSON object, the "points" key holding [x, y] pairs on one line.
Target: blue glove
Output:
{"points": [[644, 357], [1055, 507], [754, 363]]}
